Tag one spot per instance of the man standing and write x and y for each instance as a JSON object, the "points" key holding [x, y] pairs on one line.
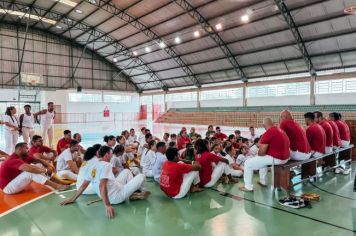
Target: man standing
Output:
{"points": [[17, 172], [315, 134], [273, 150], [47, 119], [27, 121], [68, 163], [319, 119], [64, 142], [110, 189], [299, 145]]}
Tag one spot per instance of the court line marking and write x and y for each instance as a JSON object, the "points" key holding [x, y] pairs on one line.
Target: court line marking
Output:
{"points": [[25, 204], [229, 195], [67, 191]]}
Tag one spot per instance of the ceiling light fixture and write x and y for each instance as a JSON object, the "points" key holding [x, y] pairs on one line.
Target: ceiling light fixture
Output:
{"points": [[245, 18], [59, 27], [177, 40], [68, 2], [147, 49], [196, 34], [115, 59], [162, 44], [78, 11], [135, 53], [218, 26]]}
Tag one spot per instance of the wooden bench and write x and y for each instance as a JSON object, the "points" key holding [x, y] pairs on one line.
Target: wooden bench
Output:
{"points": [[309, 167]]}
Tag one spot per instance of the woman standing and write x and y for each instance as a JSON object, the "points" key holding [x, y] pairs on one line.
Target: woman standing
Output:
{"points": [[11, 129]]}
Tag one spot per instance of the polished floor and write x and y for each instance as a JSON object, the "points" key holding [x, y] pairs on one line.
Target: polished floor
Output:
{"points": [[223, 210]]}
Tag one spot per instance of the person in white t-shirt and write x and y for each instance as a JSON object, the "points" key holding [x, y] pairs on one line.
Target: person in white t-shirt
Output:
{"points": [[141, 137], [27, 122], [117, 159], [253, 151], [149, 159], [47, 120], [133, 137], [252, 135], [110, 189], [160, 159], [90, 159], [243, 156], [11, 129], [235, 170], [68, 162]]}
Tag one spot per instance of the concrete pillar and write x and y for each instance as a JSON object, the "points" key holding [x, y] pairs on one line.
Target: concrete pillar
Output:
{"points": [[198, 99], [244, 95], [164, 101], [312, 90]]}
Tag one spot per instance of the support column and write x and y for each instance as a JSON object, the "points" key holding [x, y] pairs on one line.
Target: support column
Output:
{"points": [[164, 101], [244, 95], [312, 90], [198, 99]]}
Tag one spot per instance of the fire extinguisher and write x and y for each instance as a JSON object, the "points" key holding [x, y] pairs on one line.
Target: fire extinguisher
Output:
{"points": [[106, 112]]}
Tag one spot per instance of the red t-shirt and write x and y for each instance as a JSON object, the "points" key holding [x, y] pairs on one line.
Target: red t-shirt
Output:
{"points": [[296, 134], [62, 144], [328, 132], [236, 145], [221, 136], [171, 177], [316, 137], [336, 134], [343, 129], [205, 160], [182, 141], [41, 149], [278, 143], [9, 169]]}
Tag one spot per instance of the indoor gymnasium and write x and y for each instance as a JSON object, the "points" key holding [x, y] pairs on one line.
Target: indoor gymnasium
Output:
{"points": [[177, 117]]}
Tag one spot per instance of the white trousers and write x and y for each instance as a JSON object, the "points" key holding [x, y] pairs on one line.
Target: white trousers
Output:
{"points": [[345, 143], [148, 173], [259, 163], [188, 179], [47, 132], [328, 150], [27, 134], [67, 174], [218, 170], [235, 173], [10, 141], [22, 181], [299, 156], [136, 183]]}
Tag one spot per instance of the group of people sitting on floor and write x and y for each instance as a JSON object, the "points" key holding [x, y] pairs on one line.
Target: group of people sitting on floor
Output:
{"points": [[179, 163]]}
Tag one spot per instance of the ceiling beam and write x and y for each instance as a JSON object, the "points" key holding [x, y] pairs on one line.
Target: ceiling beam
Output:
{"points": [[285, 12]]}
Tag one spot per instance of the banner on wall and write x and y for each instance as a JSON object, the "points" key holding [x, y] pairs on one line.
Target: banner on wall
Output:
{"points": [[143, 112], [106, 112]]}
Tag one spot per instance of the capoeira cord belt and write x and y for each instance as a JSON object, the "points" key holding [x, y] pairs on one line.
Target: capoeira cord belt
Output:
{"points": [[229, 195]]}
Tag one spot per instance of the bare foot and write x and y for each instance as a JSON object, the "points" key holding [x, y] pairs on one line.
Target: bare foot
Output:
{"points": [[195, 189], [242, 188], [261, 184]]}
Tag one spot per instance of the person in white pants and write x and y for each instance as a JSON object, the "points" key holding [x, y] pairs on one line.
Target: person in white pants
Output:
{"points": [[148, 159], [11, 129], [319, 119], [67, 162], [160, 159], [213, 166], [299, 145], [235, 169], [273, 150], [47, 119], [110, 189], [27, 121], [177, 179], [315, 134], [19, 170]]}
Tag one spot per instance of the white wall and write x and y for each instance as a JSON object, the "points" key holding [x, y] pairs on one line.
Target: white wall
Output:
{"points": [[181, 104], [279, 101], [9, 95], [336, 98]]}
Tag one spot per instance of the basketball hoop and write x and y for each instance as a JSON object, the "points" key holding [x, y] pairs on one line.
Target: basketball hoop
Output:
{"points": [[350, 10]]}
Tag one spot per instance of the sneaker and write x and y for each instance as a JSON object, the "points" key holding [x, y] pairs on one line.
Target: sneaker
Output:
{"points": [[339, 170], [347, 171], [294, 202]]}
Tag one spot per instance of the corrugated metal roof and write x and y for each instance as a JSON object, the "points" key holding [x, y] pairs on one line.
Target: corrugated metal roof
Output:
{"points": [[265, 46]]}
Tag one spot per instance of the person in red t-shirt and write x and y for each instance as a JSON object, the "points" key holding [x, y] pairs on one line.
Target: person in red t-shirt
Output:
{"points": [[64, 142], [300, 149], [343, 129], [183, 139], [209, 175], [273, 150], [40, 151], [219, 135], [319, 119], [233, 141], [315, 134], [336, 134], [16, 172], [177, 179]]}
